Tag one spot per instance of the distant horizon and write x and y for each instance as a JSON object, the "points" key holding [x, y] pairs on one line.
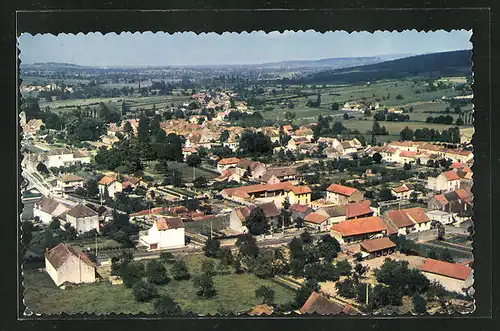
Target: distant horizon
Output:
{"points": [[232, 49]]}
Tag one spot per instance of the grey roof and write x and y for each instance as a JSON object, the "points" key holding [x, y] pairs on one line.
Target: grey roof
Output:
{"points": [[81, 211]]}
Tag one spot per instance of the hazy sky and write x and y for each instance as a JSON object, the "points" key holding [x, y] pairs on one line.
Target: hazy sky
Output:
{"points": [[149, 48]]}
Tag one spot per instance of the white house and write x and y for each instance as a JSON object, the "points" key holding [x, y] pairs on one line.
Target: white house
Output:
{"points": [[111, 182], [69, 182], [440, 216], [46, 208], [227, 163], [165, 233], [82, 218], [403, 192], [65, 265], [342, 195], [62, 157], [454, 277], [446, 181], [409, 220]]}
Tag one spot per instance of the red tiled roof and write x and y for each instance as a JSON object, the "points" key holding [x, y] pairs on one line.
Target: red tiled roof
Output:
{"points": [[108, 179], [318, 303], [269, 209], [408, 154], [299, 208], [341, 189], [259, 188], [357, 209], [464, 194], [169, 223], [231, 160], [451, 175], [359, 226], [408, 217], [301, 189], [403, 188], [452, 270], [458, 165], [378, 244], [315, 218]]}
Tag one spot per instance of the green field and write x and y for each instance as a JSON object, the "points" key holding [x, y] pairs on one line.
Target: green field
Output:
{"points": [[234, 292]]}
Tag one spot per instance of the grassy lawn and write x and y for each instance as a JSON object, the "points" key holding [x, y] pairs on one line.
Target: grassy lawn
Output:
{"points": [[234, 292], [457, 253], [394, 128]]}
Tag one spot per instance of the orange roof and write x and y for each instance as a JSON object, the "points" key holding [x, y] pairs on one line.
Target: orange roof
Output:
{"points": [[378, 244], [231, 160], [301, 189], [451, 175], [359, 226], [341, 189], [452, 270], [299, 208], [464, 194], [408, 154], [169, 223], [408, 217], [315, 218], [357, 209], [403, 188], [261, 310], [458, 165], [108, 179]]}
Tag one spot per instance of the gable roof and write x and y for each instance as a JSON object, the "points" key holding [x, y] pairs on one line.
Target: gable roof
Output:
{"points": [[167, 223], [81, 211], [52, 206], [60, 254], [341, 189], [318, 303], [408, 217], [452, 270], [316, 218], [403, 188], [269, 209], [378, 244], [356, 209], [301, 189], [71, 178], [299, 208], [230, 160], [451, 175], [108, 179], [359, 226], [333, 211]]}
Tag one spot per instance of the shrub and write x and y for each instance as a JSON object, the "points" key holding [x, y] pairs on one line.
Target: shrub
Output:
{"points": [[144, 291]]}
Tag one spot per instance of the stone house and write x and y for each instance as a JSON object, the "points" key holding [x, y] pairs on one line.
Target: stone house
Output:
{"points": [[82, 218], [454, 277], [166, 232], [65, 265], [446, 181], [403, 192], [409, 220], [47, 208], [342, 195], [370, 249]]}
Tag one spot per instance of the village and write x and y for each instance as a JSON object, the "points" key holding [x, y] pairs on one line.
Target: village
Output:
{"points": [[332, 219]]}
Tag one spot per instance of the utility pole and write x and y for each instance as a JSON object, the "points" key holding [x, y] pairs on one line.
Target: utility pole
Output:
{"points": [[96, 246], [211, 233], [367, 294]]}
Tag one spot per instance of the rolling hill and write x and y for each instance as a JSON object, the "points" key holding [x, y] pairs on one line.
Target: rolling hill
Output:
{"points": [[430, 65]]}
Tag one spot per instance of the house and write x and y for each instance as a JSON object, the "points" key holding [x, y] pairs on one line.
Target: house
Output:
{"points": [[454, 277], [440, 216], [359, 229], [82, 218], [32, 126], [187, 151], [294, 143], [226, 163], [318, 303], [403, 192], [359, 209], [332, 153], [280, 174], [288, 129], [239, 215], [46, 209], [269, 192], [459, 201], [166, 232], [409, 220], [342, 195], [251, 168], [303, 132], [317, 221], [376, 247], [66, 265], [229, 175], [69, 182], [63, 157], [446, 181], [300, 211], [111, 182], [348, 147], [336, 214]]}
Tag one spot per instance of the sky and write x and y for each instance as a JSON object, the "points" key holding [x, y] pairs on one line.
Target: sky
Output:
{"points": [[188, 48]]}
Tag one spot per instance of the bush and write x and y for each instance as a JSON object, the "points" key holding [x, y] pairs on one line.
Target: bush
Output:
{"points": [[180, 271], [143, 292], [212, 247], [344, 267], [156, 273], [346, 288], [419, 304], [166, 305], [266, 293], [205, 286]]}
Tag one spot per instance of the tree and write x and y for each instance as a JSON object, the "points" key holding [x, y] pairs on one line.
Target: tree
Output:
{"points": [[406, 134], [344, 267], [55, 224], [347, 288], [360, 269], [226, 256], [167, 306], [345, 116], [377, 157], [27, 235], [247, 245], [200, 182], [419, 304], [257, 222], [208, 267], [385, 194], [166, 257], [143, 292], [156, 272], [180, 270], [306, 238], [224, 136], [335, 106], [212, 247], [305, 291], [193, 160], [205, 285], [328, 247], [290, 116], [266, 293], [131, 273], [459, 121]]}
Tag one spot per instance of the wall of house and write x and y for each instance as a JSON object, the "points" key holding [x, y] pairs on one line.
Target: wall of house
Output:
{"points": [[235, 222], [172, 238], [44, 217], [302, 199], [52, 272], [74, 270], [451, 284], [84, 224]]}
